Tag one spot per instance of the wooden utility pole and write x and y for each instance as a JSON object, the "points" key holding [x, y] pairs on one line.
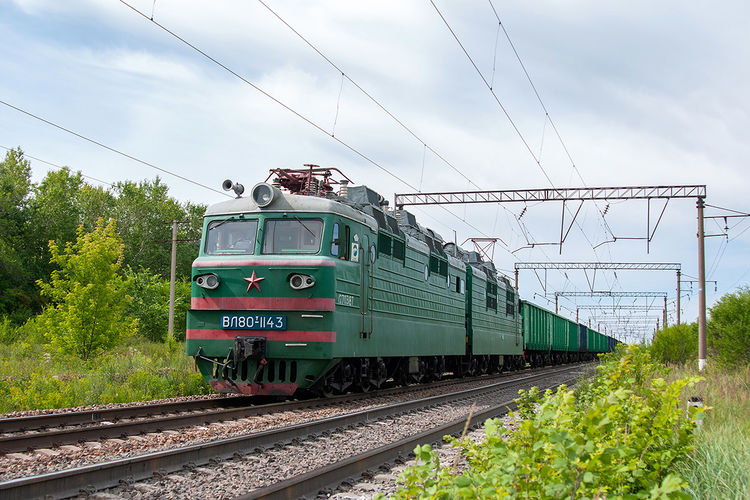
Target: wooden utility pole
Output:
{"points": [[678, 296], [172, 278]]}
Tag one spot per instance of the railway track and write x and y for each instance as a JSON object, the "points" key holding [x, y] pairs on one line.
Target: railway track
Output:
{"points": [[103, 475], [21, 434], [328, 478]]}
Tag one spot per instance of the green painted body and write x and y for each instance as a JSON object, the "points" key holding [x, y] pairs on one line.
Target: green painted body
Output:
{"points": [[492, 330], [597, 342], [377, 294], [572, 345], [545, 331], [383, 308], [537, 327]]}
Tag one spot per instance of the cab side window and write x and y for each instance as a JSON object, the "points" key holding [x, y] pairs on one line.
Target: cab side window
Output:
{"points": [[335, 240], [340, 241]]}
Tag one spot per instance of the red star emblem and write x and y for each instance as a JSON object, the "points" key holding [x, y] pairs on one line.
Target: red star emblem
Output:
{"points": [[253, 281]]}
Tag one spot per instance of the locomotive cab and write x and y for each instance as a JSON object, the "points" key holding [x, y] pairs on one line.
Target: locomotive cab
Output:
{"points": [[262, 305]]}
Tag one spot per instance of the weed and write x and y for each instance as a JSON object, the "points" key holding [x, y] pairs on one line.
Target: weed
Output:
{"points": [[30, 378]]}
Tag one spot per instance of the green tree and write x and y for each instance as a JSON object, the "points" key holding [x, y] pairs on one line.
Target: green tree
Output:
{"points": [[676, 344], [87, 292], [144, 212], [62, 202], [17, 294], [729, 328], [150, 305]]}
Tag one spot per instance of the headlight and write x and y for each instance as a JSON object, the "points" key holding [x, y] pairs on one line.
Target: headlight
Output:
{"points": [[301, 281], [209, 281], [263, 194]]}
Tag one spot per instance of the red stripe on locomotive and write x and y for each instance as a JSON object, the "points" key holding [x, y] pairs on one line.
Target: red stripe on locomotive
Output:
{"points": [[260, 303], [265, 262], [287, 335]]}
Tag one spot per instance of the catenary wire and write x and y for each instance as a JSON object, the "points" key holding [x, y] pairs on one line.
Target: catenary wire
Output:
{"points": [[289, 108], [379, 104], [546, 112], [109, 148], [59, 167], [499, 103], [376, 101], [301, 116], [506, 113], [536, 92], [366, 93]]}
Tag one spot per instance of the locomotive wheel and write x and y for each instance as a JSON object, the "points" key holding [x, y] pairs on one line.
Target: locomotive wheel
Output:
{"points": [[471, 368], [467, 366], [439, 368], [326, 389], [421, 374], [380, 373], [337, 380], [364, 383], [401, 376], [484, 364]]}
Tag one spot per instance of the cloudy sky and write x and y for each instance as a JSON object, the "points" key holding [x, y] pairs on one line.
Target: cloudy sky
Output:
{"points": [[641, 93]]}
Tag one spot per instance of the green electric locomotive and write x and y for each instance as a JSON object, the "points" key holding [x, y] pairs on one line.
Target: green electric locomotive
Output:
{"points": [[309, 289]]}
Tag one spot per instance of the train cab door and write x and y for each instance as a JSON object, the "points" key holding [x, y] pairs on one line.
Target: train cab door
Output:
{"points": [[367, 265], [366, 261]]}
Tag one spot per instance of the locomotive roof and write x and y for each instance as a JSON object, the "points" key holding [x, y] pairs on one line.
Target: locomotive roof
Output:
{"points": [[291, 203], [362, 205]]}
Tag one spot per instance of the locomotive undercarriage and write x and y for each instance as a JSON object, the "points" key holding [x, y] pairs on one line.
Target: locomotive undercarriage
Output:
{"points": [[538, 359], [365, 374], [246, 370]]}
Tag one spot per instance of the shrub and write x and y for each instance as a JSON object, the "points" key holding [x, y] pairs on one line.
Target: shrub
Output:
{"points": [[30, 378], [88, 294], [150, 304], [730, 328], [622, 439], [677, 344], [8, 331]]}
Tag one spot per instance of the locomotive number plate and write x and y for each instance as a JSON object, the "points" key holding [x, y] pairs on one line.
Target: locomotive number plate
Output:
{"points": [[253, 322]]}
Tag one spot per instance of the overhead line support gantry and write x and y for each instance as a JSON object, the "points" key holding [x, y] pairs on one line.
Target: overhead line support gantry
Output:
{"points": [[591, 194]]}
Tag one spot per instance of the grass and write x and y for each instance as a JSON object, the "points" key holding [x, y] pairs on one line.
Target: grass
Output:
{"points": [[719, 467], [33, 378]]}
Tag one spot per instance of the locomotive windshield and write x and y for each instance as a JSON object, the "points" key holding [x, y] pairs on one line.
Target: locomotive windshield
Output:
{"points": [[231, 236], [292, 236]]}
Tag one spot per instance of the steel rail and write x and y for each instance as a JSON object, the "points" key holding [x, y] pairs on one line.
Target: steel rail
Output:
{"points": [[47, 439], [309, 484], [216, 412], [60, 419], [69, 482]]}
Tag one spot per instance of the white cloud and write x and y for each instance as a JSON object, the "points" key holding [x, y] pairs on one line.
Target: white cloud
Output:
{"points": [[641, 93]]}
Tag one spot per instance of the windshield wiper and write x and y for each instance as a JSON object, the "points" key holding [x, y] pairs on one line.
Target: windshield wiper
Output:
{"points": [[303, 225], [221, 223]]}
